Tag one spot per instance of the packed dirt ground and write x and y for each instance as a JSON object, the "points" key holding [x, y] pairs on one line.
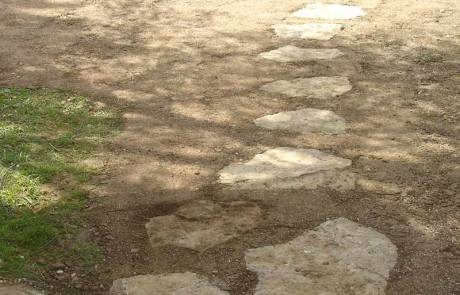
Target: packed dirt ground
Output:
{"points": [[187, 77]]}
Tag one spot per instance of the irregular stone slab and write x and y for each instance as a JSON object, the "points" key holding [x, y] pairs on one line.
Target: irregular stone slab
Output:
{"points": [[295, 54], [177, 284], [307, 31], [18, 290], [286, 167], [203, 225], [337, 257], [329, 11], [317, 87], [305, 120]]}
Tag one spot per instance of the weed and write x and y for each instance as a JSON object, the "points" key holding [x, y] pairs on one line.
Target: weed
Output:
{"points": [[43, 134]]}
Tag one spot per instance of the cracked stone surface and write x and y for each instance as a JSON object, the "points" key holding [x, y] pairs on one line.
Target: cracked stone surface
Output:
{"points": [[18, 290], [305, 120], [329, 11], [295, 54], [317, 87], [204, 224], [337, 257], [287, 167], [320, 31], [174, 284]]}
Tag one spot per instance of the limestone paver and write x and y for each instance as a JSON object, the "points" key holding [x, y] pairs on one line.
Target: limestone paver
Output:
{"points": [[337, 257], [287, 167], [295, 54], [304, 120], [329, 11], [204, 224], [317, 87], [169, 284], [316, 31]]}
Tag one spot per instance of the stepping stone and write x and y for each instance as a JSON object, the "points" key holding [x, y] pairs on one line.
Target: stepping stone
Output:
{"points": [[318, 87], [307, 31], [295, 54], [329, 11], [203, 225], [305, 120], [337, 257], [18, 290], [290, 168], [177, 284]]}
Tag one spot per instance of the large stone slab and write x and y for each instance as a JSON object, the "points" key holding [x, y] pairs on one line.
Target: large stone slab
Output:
{"points": [[337, 257], [321, 31], [286, 167], [295, 54], [317, 87], [329, 11], [18, 290], [203, 224], [170, 284], [305, 120]]}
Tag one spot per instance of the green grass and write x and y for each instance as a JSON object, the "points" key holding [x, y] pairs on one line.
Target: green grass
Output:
{"points": [[90, 254], [43, 134]]}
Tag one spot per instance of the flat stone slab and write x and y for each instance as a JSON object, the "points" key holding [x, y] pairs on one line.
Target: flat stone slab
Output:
{"points": [[317, 87], [203, 225], [329, 11], [321, 31], [305, 120], [18, 290], [170, 284], [286, 167], [295, 54], [337, 257]]}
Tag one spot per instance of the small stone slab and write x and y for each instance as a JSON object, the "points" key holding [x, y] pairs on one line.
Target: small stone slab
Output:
{"points": [[177, 284], [18, 290], [317, 87], [286, 167], [329, 11], [337, 257], [314, 31], [305, 120], [295, 54], [203, 225]]}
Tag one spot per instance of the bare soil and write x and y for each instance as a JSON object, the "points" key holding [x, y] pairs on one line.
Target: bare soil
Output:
{"points": [[187, 77]]}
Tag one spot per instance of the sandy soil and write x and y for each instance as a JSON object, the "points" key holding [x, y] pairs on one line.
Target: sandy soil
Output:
{"points": [[187, 77]]}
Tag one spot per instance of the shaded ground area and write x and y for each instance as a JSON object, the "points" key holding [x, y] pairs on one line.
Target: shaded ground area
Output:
{"points": [[188, 77]]}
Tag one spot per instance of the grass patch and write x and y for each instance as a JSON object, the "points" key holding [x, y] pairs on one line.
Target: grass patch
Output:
{"points": [[90, 254], [43, 134]]}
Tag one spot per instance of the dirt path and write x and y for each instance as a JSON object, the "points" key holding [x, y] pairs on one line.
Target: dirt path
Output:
{"points": [[188, 77]]}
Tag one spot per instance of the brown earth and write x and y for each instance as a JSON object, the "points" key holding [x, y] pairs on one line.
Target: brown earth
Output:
{"points": [[187, 77]]}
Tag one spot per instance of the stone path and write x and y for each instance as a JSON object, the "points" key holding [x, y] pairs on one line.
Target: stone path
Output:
{"points": [[308, 31], [295, 54], [317, 87], [203, 225], [304, 120], [337, 257], [177, 284], [289, 168]]}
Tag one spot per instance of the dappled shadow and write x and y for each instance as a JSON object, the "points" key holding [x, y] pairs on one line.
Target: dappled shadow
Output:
{"points": [[187, 77]]}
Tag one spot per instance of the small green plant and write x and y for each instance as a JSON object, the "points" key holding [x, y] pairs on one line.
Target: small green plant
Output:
{"points": [[43, 134], [90, 254]]}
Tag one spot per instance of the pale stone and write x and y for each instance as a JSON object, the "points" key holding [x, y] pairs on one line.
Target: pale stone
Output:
{"points": [[305, 120], [295, 54], [319, 31], [337, 257], [174, 284], [203, 225], [317, 87], [329, 11], [289, 168], [18, 290]]}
